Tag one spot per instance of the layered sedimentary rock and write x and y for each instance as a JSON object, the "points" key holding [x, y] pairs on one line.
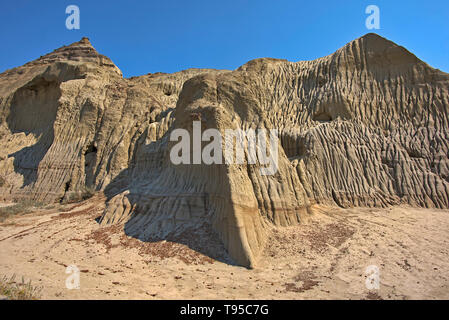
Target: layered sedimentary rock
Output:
{"points": [[365, 126]]}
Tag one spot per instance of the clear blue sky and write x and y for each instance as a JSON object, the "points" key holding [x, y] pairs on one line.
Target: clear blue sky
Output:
{"points": [[168, 36]]}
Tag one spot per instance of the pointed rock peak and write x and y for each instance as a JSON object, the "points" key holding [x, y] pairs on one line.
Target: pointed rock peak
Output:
{"points": [[380, 50], [80, 51], [371, 36], [76, 51], [370, 42], [84, 45], [375, 41], [85, 40]]}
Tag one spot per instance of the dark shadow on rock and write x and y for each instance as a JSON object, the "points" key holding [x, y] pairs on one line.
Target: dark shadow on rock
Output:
{"points": [[199, 237], [33, 111], [26, 161]]}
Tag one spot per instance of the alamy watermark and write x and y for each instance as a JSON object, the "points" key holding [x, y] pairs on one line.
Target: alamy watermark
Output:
{"points": [[73, 20], [73, 280], [254, 142], [372, 281], [373, 20]]}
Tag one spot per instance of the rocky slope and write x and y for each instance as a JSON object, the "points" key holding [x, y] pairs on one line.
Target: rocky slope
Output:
{"points": [[365, 126]]}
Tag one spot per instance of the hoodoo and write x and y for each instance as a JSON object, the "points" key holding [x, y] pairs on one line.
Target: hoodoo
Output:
{"points": [[364, 126]]}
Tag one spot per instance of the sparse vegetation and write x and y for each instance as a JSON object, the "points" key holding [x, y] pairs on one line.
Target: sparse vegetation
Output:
{"points": [[18, 290], [87, 193], [21, 207], [77, 196]]}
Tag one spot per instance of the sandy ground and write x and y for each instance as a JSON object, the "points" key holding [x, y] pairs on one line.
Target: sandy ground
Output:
{"points": [[324, 258]]}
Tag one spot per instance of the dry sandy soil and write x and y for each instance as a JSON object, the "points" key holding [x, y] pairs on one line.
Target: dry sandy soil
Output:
{"points": [[324, 258]]}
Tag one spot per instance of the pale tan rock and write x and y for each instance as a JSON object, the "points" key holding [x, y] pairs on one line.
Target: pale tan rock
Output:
{"points": [[365, 126]]}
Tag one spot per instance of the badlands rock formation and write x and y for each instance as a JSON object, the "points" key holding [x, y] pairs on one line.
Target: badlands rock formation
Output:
{"points": [[365, 126]]}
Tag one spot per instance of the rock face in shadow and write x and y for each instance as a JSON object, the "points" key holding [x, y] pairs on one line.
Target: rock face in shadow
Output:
{"points": [[365, 126]]}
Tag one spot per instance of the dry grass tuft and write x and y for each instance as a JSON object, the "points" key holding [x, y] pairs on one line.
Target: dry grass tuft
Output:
{"points": [[21, 207], [78, 196], [18, 290]]}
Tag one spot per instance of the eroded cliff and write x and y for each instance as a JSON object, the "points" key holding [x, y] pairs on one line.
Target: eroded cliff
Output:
{"points": [[365, 126]]}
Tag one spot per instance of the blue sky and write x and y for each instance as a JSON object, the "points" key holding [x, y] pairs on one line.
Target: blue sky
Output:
{"points": [[168, 36]]}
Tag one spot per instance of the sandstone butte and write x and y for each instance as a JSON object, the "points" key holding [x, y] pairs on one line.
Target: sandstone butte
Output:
{"points": [[364, 126]]}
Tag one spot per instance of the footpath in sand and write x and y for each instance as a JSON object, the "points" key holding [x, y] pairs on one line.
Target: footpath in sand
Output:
{"points": [[323, 258]]}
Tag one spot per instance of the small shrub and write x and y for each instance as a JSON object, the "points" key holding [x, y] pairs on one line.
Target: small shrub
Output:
{"points": [[87, 193], [22, 290], [2, 181], [78, 196]]}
